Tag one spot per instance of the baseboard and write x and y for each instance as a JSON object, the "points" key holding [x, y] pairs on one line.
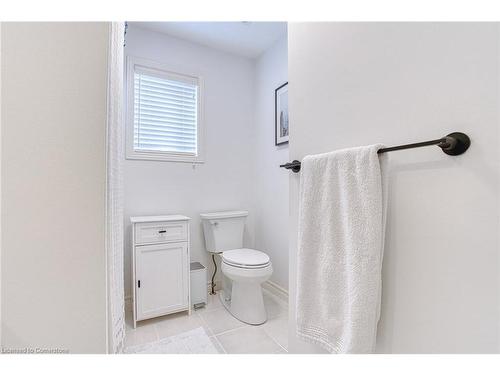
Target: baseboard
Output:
{"points": [[271, 287], [276, 290], [209, 288]]}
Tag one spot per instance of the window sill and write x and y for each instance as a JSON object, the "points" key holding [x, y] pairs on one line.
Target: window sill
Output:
{"points": [[167, 158]]}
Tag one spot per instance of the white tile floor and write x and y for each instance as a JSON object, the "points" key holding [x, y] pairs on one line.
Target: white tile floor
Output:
{"points": [[227, 334]]}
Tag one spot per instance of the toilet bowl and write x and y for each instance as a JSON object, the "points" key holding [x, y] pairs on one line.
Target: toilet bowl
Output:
{"points": [[246, 269]]}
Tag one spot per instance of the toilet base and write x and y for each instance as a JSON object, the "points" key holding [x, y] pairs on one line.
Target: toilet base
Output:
{"points": [[249, 308], [247, 302]]}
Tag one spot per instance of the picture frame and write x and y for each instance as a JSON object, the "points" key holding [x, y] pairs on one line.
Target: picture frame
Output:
{"points": [[281, 121]]}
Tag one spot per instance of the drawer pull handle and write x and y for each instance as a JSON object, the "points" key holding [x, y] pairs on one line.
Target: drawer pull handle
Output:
{"points": [[162, 231]]}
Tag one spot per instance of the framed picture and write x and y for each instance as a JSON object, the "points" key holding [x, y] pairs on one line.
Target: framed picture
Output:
{"points": [[281, 124]]}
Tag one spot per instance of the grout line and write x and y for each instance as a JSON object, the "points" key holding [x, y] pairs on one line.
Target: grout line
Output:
{"points": [[210, 332], [274, 340], [220, 344], [231, 330]]}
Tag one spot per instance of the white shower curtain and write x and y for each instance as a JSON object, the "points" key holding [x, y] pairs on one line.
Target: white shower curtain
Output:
{"points": [[114, 197]]}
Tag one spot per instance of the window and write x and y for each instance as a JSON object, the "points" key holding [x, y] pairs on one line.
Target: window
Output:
{"points": [[163, 114]]}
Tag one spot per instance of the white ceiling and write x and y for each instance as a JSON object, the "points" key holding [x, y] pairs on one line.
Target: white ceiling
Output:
{"points": [[248, 39]]}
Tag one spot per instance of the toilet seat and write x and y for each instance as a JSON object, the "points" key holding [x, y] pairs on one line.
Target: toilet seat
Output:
{"points": [[246, 258]]}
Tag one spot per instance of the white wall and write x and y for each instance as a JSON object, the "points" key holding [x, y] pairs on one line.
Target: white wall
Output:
{"points": [[271, 194], [226, 180], [356, 84], [54, 82]]}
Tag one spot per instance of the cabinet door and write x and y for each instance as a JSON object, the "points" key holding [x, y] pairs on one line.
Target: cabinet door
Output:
{"points": [[161, 279]]}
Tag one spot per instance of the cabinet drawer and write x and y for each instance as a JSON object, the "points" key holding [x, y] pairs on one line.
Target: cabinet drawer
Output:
{"points": [[160, 232]]}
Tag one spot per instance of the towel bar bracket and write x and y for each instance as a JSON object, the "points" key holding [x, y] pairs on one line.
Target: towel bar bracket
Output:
{"points": [[458, 144], [453, 144]]}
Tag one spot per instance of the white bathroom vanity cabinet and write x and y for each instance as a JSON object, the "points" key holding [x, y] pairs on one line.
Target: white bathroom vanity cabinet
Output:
{"points": [[160, 265]]}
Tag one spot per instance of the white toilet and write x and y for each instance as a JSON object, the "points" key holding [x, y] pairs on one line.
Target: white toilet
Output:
{"points": [[246, 269]]}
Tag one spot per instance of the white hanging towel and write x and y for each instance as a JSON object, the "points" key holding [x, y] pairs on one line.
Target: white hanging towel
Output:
{"points": [[342, 212]]}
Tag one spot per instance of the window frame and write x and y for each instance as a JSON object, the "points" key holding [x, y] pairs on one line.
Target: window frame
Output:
{"points": [[166, 71]]}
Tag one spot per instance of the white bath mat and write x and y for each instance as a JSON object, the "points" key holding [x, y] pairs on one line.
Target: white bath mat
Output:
{"points": [[195, 341]]}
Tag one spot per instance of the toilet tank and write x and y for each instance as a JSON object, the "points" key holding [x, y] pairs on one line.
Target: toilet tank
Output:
{"points": [[223, 230]]}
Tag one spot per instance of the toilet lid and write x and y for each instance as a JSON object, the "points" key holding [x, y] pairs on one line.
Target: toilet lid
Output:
{"points": [[245, 257]]}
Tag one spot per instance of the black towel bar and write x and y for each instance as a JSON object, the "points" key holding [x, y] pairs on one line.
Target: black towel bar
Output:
{"points": [[453, 144]]}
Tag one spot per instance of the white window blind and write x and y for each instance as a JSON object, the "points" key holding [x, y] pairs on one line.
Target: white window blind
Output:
{"points": [[165, 113]]}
